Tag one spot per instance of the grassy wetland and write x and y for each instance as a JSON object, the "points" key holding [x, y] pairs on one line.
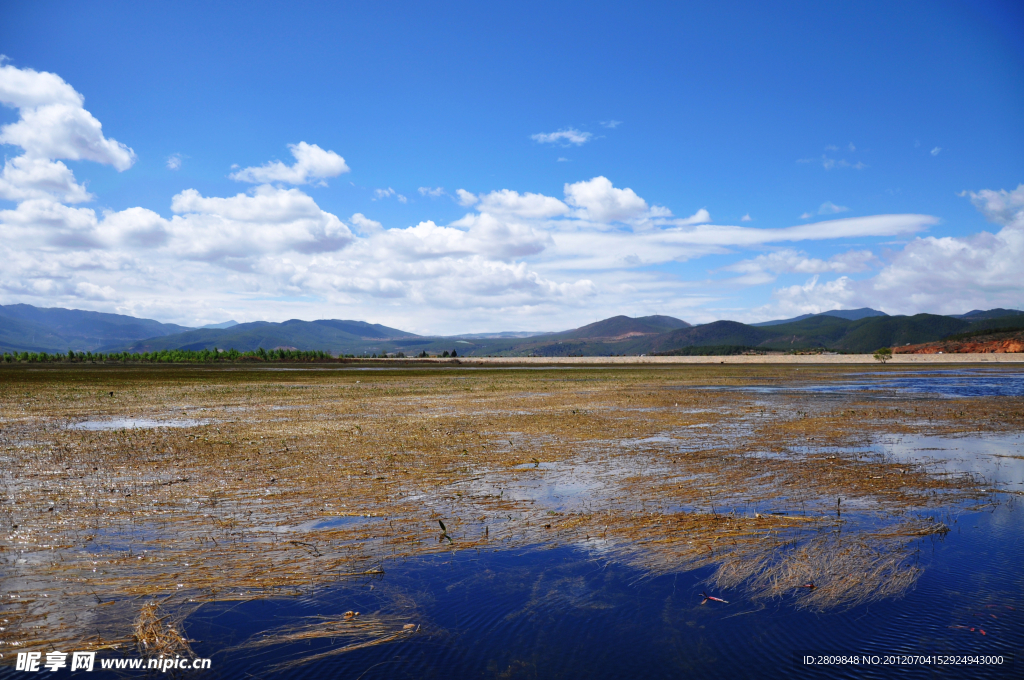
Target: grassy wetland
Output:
{"points": [[134, 496]]}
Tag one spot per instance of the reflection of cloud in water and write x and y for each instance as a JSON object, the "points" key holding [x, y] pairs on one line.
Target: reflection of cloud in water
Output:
{"points": [[136, 424], [972, 382], [999, 459]]}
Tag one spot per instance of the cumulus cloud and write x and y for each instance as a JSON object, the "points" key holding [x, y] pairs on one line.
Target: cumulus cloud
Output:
{"points": [[514, 254], [565, 137], [24, 178], [174, 161], [465, 198], [598, 200], [270, 220], [945, 275], [746, 218], [527, 205], [611, 124], [312, 165], [52, 122], [365, 225]]}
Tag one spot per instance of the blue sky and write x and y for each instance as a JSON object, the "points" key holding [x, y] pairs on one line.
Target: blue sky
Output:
{"points": [[737, 160]]}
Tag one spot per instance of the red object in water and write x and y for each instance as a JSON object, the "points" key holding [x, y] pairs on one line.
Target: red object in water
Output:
{"points": [[993, 616], [713, 599], [809, 586], [981, 631]]}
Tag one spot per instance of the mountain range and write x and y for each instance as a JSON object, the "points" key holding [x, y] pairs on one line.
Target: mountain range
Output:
{"points": [[27, 328]]}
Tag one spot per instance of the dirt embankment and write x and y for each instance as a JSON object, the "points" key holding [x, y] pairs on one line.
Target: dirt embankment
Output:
{"points": [[996, 343]]}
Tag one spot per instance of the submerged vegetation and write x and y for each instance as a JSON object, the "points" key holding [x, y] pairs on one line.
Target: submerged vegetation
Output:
{"points": [[290, 480]]}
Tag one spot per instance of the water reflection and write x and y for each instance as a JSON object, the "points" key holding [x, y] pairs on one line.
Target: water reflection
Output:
{"points": [[949, 384], [136, 423], [567, 613]]}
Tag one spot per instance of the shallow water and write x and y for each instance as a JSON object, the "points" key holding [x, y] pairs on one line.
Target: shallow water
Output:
{"points": [[136, 423], [566, 613], [954, 383], [572, 612]]}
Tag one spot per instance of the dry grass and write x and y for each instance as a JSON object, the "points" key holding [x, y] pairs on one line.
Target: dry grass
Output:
{"points": [[350, 631], [306, 477], [157, 634]]}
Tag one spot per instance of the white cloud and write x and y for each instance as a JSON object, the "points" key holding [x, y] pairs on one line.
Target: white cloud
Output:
{"points": [[387, 193], [515, 259], [562, 159], [501, 238], [26, 88], [527, 205], [41, 222], [611, 124], [746, 218], [134, 228], [564, 137], [1005, 208], [24, 178], [944, 275], [826, 208], [312, 165], [365, 224], [936, 150], [270, 220], [598, 200], [174, 161], [52, 123], [765, 268], [465, 198], [702, 216]]}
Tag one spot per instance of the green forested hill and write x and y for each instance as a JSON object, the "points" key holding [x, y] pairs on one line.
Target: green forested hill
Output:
{"points": [[331, 335], [34, 329]]}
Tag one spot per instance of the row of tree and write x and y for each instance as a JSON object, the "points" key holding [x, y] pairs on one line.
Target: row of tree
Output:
{"points": [[188, 356], [170, 356]]}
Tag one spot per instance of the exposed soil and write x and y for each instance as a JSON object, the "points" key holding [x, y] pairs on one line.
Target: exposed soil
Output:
{"points": [[996, 343]]}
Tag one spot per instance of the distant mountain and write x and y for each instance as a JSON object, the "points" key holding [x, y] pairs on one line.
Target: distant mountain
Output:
{"points": [[333, 335], [223, 324], [622, 327], [24, 328], [833, 333], [27, 328], [848, 314], [980, 315], [500, 334]]}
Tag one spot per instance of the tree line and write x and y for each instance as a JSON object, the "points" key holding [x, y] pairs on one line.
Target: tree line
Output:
{"points": [[172, 356]]}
